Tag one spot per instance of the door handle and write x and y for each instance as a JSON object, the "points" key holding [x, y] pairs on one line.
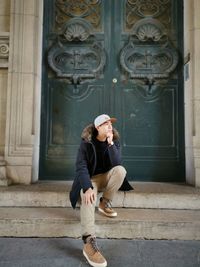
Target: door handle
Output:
{"points": [[114, 80]]}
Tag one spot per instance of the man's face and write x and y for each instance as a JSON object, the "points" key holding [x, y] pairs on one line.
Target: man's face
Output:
{"points": [[105, 128]]}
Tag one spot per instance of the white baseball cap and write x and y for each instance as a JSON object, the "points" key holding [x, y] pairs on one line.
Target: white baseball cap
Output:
{"points": [[103, 118]]}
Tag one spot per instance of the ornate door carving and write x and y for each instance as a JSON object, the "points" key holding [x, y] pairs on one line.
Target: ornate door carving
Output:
{"points": [[117, 57]]}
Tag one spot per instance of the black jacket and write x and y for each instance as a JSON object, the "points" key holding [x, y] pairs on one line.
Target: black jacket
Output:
{"points": [[86, 162]]}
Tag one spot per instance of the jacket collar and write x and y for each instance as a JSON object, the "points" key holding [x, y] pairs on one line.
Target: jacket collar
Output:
{"points": [[90, 131]]}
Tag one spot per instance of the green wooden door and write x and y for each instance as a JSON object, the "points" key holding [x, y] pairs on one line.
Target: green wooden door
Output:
{"points": [[117, 57]]}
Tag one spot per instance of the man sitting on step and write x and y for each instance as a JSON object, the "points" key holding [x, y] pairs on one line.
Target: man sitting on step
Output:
{"points": [[98, 169]]}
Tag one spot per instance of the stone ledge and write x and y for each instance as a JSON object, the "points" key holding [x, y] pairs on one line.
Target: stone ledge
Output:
{"points": [[145, 195], [130, 223]]}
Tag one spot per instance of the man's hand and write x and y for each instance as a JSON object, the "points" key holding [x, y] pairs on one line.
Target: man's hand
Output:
{"points": [[89, 197], [110, 138]]}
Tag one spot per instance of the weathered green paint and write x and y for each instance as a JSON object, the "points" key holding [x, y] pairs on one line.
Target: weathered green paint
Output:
{"points": [[117, 57]]}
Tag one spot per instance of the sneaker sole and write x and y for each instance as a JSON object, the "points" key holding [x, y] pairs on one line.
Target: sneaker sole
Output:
{"points": [[94, 264], [107, 214]]}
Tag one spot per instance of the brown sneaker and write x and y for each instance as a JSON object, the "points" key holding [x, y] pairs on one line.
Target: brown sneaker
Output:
{"points": [[106, 208], [92, 253]]}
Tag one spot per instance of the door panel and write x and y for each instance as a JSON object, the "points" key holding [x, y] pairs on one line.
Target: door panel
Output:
{"points": [[117, 57]]}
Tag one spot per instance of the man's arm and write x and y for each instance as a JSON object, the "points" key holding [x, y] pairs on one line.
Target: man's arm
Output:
{"points": [[115, 154]]}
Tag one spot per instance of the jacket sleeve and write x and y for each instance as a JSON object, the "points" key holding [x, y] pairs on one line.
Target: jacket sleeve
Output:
{"points": [[82, 172], [115, 154]]}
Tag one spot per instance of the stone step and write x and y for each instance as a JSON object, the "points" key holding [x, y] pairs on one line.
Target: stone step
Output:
{"points": [[146, 195], [130, 223]]}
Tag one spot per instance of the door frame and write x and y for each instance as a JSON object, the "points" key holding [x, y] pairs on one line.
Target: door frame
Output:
{"points": [[189, 155]]}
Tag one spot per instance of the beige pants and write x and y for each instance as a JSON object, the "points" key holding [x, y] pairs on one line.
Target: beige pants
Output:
{"points": [[108, 183]]}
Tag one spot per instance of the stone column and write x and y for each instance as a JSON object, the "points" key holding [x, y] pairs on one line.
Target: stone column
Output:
{"points": [[3, 87], [188, 89], [192, 90], [23, 85], [4, 54], [196, 83]]}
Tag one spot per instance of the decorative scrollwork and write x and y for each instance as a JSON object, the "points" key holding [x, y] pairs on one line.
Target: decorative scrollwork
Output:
{"points": [[139, 9], [147, 62], [148, 29], [77, 57], [86, 9], [77, 30], [77, 64], [151, 8], [149, 57], [4, 49]]}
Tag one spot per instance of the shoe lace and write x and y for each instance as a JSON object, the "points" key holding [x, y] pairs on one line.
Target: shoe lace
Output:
{"points": [[94, 244], [108, 204]]}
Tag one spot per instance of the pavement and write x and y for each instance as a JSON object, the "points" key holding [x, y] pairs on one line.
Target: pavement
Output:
{"points": [[67, 252]]}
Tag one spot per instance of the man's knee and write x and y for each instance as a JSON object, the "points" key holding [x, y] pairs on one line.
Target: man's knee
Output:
{"points": [[120, 171]]}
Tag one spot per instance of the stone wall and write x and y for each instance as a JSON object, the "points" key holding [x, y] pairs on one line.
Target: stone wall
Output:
{"points": [[192, 90], [196, 89], [23, 89]]}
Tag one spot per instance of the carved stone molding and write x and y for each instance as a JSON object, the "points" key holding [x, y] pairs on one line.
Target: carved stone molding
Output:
{"points": [[4, 49], [22, 80]]}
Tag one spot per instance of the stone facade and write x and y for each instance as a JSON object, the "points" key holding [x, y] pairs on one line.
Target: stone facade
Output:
{"points": [[192, 90], [20, 89], [4, 53]]}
